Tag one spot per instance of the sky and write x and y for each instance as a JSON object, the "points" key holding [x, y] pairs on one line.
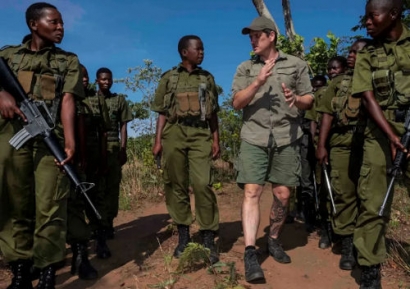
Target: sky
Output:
{"points": [[120, 34]]}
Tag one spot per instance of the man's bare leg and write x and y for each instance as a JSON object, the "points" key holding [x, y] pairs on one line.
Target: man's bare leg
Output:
{"points": [[250, 225], [280, 209], [278, 214], [251, 212]]}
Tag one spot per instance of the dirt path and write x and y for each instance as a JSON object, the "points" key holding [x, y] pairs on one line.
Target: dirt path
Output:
{"points": [[139, 261]]}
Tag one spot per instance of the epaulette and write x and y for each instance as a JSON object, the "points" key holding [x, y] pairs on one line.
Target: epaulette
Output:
{"points": [[169, 70], [9, 46]]}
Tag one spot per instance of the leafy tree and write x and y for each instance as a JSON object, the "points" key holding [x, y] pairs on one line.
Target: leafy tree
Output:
{"points": [[230, 123], [144, 79], [320, 52]]}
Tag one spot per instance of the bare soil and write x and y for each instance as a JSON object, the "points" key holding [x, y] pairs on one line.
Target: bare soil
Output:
{"points": [[144, 241]]}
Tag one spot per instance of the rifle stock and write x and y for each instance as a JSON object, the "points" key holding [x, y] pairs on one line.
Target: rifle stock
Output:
{"points": [[39, 123]]}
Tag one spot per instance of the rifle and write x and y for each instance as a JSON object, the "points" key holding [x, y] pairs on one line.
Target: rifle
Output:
{"points": [[315, 188], [327, 180], [39, 123], [398, 163], [158, 160], [202, 100]]}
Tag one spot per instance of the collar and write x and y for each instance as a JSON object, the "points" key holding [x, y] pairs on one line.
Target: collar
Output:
{"points": [[181, 68], [281, 56], [27, 46]]}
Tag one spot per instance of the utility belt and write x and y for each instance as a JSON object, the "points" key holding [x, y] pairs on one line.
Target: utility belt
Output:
{"points": [[351, 129], [192, 122]]}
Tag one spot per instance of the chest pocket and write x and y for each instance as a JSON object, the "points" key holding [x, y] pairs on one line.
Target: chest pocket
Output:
{"points": [[383, 87], [287, 75], [402, 86]]}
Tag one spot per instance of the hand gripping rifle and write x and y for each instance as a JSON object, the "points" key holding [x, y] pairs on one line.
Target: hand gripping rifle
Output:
{"points": [[39, 123], [329, 187], [399, 162]]}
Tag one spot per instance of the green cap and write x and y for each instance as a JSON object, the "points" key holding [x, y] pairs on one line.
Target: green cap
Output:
{"points": [[258, 24]]}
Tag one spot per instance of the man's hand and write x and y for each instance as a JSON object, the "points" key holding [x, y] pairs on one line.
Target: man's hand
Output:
{"points": [[70, 152], [266, 71], [321, 155], [395, 144], [8, 106], [216, 151], [290, 97], [157, 149]]}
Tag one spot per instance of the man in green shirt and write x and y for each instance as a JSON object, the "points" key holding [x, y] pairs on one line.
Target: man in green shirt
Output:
{"points": [[272, 89], [381, 80]]}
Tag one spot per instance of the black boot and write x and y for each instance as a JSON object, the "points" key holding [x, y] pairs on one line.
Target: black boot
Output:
{"points": [[347, 260], [253, 271], [276, 251], [101, 248], [325, 236], [47, 279], [21, 275], [183, 240], [208, 237], [80, 264], [371, 278]]}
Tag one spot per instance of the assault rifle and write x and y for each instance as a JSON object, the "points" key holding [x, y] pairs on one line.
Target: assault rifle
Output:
{"points": [[329, 187], [398, 163], [39, 123]]}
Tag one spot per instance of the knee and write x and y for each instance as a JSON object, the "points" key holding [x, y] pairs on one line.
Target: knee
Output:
{"points": [[282, 193], [252, 194]]}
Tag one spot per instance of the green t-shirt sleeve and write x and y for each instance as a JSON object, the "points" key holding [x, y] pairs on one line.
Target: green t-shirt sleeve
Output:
{"points": [[125, 110], [311, 114], [325, 104], [6, 54], [214, 91], [303, 85], [158, 102], [362, 77], [73, 80]]}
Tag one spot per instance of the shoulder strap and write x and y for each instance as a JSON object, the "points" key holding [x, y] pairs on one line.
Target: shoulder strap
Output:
{"points": [[173, 79]]}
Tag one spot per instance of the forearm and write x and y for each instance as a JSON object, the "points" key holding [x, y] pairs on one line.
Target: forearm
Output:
{"points": [[313, 128], [124, 135], [304, 102], [243, 97], [68, 119], [161, 121], [214, 126], [325, 129], [376, 113]]}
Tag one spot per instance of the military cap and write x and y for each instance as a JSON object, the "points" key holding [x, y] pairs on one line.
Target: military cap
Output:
{"points": [[258, 24]]}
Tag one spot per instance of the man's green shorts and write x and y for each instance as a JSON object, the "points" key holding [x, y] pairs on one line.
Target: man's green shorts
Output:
{"points": [[277, 165]]}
